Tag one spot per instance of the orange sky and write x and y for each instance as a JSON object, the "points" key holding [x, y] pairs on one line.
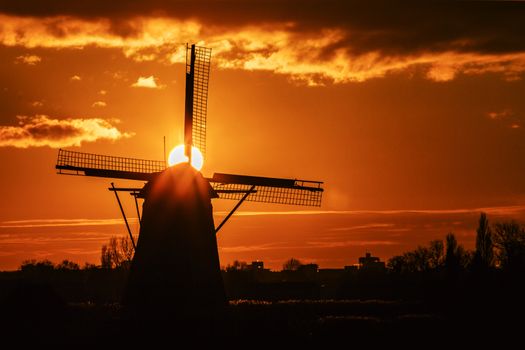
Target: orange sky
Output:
{"points": [[415, 120]]}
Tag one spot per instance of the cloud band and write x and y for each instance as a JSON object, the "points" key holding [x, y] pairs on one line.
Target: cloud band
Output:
{"points": [[346, 41], [41, 130]]}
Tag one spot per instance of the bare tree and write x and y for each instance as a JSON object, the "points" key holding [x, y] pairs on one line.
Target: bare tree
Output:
{"points": [[292, 265], [436, 254], [67, 265], [237, 266], [422, 259], [509, 240], [126, 248], [105, 257], [117, 253]]}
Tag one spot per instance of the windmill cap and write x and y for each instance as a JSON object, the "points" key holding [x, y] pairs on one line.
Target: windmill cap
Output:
{"points": [[179, 176]]}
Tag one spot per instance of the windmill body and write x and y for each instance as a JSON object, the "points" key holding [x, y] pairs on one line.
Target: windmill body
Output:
{"points": [[176, 256], [175, 269]]}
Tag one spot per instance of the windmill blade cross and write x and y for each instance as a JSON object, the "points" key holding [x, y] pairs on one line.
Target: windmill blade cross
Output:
{"points": [[227, 186]]}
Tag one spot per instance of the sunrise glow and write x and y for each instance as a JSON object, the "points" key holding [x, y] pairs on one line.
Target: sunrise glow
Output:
{"points": [[177, 156]]}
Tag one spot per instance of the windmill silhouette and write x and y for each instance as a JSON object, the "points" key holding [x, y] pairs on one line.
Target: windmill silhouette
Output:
{"points": [[176, 254]]}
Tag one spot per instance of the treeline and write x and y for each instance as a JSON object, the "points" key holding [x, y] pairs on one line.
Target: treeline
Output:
{"points": [[498, 247], [442, 269], [441, 272], [116, 254]]}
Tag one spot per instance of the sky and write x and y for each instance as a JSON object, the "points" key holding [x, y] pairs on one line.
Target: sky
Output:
{"points": [[412, 113]]}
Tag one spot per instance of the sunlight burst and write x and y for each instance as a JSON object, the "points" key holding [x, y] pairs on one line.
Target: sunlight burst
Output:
{"points": [[177, 156]]}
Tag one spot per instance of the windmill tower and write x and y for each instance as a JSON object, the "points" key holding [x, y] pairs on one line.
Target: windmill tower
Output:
{"points": [[176, 254]]}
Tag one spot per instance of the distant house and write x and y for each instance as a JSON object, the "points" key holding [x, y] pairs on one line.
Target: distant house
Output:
{"points": [[330, 274], [352, 268], [260, 274], [309, 271], [371, 263], [256, 266], [303, 273]]}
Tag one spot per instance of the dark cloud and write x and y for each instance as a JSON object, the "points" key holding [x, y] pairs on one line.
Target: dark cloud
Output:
{"points": [[51, 132], [42, 130], [311, 40], [393, 27]]}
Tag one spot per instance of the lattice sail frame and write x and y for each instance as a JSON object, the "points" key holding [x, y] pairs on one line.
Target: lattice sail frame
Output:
{"points": [[227, 186], [297, 195], [267, 189], [89, 164], [198, 69]]}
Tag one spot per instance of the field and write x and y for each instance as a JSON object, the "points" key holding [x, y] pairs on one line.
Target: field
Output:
{"points": [[82, 307], [252, 321]]}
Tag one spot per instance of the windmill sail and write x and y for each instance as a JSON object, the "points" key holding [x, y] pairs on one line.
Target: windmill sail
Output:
{"points": [[227, 186], [89, 164], [268, 190], [196, 103]]}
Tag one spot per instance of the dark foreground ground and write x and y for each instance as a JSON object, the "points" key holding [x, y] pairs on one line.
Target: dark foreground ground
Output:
{"points": [[250, 323], [81, 309]]}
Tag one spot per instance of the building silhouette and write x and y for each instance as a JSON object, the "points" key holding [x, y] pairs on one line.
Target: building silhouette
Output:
{"points": [[371, 263]]}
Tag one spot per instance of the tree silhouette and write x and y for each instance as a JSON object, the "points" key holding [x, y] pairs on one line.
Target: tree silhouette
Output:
{"points": [[292, 265], [67, 265], [451, 253], [436, 254], [237, 266], [397, 264], [456, 258], [509, 240], [422, 259], [33, 266], [484, 254], [117, 253]]}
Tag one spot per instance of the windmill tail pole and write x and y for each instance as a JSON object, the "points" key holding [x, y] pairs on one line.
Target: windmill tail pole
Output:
{"points": [[123, 215]]}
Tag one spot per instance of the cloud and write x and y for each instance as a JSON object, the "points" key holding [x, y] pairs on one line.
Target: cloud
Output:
{"points": [[251, 248], [506, 116], [102, 92], [502, 211], [350, 243], [37, 103], [346, 41], [99, 104], [500, 114], [62, 222], [42, 130], [363, 227], [147, 82], [30, 60], [75, 78]]}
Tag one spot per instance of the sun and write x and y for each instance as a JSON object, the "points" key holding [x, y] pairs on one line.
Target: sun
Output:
{"points": [[177, 156]]}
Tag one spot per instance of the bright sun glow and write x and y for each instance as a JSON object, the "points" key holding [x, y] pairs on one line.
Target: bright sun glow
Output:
{"points": [[177, 156]]}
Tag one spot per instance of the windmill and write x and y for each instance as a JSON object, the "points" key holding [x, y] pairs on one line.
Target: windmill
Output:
{"points": [[157, 219]]}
